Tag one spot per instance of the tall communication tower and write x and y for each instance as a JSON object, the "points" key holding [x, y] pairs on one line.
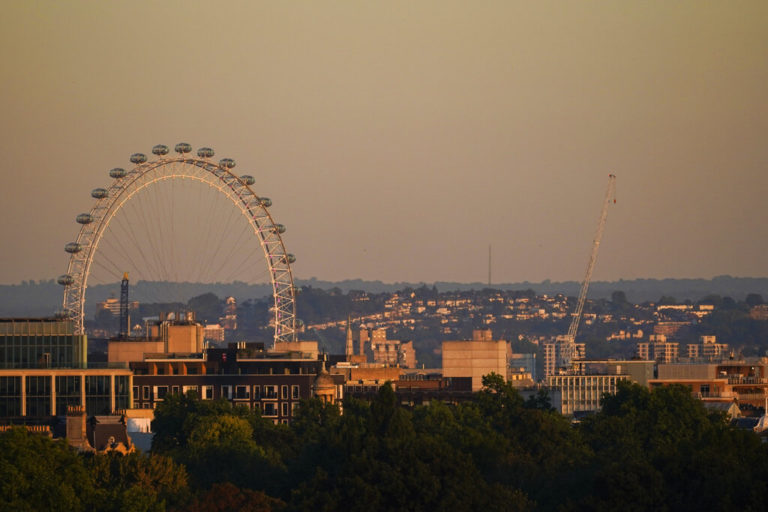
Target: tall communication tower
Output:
{"points": [[125, 320]]}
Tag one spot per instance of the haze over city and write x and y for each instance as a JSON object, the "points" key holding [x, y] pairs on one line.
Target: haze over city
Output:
{"points": [[399, 139]]}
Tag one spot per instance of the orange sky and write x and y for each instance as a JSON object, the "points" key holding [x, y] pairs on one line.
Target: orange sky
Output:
{"points": [[399, 139]]}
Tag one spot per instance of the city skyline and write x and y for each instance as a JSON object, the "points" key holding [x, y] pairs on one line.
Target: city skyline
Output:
{"points": [[399, 141]]}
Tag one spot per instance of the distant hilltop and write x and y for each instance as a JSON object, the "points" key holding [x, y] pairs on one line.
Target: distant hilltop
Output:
{"points": [[42, 298]]}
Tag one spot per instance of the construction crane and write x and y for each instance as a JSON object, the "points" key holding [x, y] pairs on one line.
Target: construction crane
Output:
{"points": [[610, 197], [125, 318]]}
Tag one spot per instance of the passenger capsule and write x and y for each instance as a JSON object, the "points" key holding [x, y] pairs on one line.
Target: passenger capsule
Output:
{"points": [[227, 163], [278, 228], [138, 158], [117, 173], [73, 247], [65, 280], [248, 180], [290, 258], [160, 149], [265, 202], [99, 193], [182, 147], [205, 152], [84, 218]]}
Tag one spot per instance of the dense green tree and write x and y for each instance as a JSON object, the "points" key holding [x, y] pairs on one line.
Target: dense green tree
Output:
{"points": [[662, 450], [378, 457], [218, 442], [658, 450], [138, 482], [37, 473], [226, 497]]}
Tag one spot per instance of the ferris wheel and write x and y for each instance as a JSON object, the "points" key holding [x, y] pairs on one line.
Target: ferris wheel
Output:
{"points": [[164, 168]]}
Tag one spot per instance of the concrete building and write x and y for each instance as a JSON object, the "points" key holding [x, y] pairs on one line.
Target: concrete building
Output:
{"points": [[178, 333], [708, 349], [213, 333], [475, 358], [582, 390], [744, 381], [382, 350], [582, 393], [658, 349], [385, 351]]}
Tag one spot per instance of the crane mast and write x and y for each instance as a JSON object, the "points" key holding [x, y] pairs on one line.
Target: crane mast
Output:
{"points": [[609, 198]]}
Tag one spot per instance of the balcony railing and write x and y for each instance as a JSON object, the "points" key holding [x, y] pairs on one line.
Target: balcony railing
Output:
{"points": [[735, 379]]}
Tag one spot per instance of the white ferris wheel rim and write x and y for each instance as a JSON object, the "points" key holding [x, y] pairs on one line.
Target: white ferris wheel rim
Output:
{"points": [[220, 177]]}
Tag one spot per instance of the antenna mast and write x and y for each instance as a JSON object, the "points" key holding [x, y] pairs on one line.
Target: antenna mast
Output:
{"points": [[489, 265]]}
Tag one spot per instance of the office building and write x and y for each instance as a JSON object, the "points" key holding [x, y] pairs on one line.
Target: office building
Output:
{"points": [[475, 358]]}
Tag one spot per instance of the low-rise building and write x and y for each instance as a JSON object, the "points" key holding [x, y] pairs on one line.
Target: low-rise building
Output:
{"points": [[44, 370], [582, 390], [475, 358]]}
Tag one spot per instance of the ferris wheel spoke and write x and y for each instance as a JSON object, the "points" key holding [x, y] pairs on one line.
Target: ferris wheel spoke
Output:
{"points": [[152, 263], [134, 242], [140, 196]]}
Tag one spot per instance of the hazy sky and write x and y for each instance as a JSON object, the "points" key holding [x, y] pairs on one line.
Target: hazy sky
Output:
{"points": [[398, 139]]}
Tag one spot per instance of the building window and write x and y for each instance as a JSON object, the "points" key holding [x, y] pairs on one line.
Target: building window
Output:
{"points": [[241, 393], [122, 393], [135, 392], [226, 392], [175, 390], [160, 392], [295, 392], [284, 409], [256, 392], [294, 407], [38, 396], [67, 392], [270, 409], [189, 389], [10, 396], [207, 393], [284, 392], [98, 399], [270, 392], [145, 393]]}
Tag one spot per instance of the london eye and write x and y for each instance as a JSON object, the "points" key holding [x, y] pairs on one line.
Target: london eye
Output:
{"points": [[130, 185]]}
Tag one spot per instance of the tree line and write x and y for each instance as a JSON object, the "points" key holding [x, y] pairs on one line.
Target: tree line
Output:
{"points": [[646, 450]]}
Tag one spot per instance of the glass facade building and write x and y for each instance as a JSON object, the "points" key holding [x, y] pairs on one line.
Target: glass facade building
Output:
{"points": [[44, 369], [41, 343]]}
